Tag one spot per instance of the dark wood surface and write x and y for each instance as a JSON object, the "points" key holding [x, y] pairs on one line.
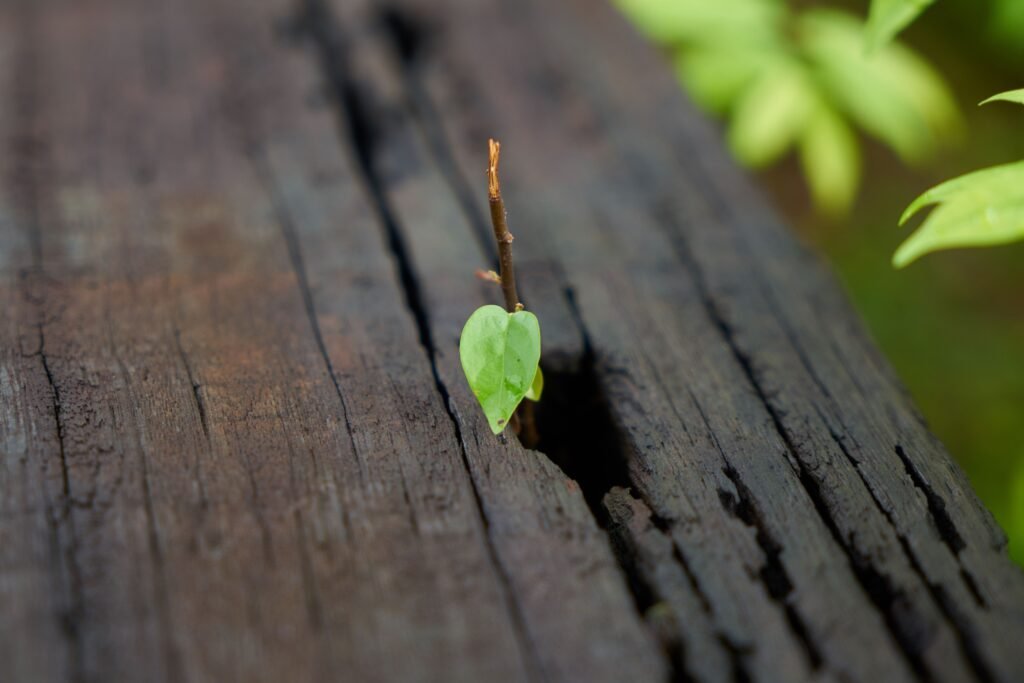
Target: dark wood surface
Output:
{"points": [[237, 245]]}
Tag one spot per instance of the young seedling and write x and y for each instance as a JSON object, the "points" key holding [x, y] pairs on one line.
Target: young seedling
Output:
{"points": [[500, 348]]}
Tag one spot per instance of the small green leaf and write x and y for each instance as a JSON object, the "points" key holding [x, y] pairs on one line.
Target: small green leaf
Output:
{"points": [[889, 17], [1009, 96], [978, 209], [500, 352], [537, 388]]}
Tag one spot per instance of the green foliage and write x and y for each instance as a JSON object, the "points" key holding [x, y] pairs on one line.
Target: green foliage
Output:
{"points": [[500, 352], [978, 209], [889, 17], [829, 152], [893, 94], [1009, 96], [800, 81], [683, 21]]}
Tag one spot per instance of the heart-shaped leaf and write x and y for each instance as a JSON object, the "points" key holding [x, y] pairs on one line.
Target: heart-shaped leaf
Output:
{"points": [[500, 352]]}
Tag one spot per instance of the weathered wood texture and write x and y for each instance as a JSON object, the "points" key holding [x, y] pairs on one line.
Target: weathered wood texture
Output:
{"points": [[237, 244]]}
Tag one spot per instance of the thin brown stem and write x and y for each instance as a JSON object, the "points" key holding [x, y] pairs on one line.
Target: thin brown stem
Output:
{"points": [[501, 234], [523, 422]]}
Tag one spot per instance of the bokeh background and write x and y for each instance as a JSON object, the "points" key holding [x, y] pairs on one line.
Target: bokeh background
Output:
{"points": [[952, 323]]}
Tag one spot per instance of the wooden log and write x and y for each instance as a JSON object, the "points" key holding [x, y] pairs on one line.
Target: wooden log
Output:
{"points": [[600, 191], [237, 244]]}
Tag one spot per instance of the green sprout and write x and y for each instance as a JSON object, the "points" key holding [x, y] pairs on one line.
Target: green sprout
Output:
{"points": [[500, 348]]}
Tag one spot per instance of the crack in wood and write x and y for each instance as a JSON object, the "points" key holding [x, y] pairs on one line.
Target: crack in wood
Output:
{"points": [[196, 387], [409, 41], [73, 616], [323, 31], [936, 506], [896, 612], [638, 534], [772, 574]]}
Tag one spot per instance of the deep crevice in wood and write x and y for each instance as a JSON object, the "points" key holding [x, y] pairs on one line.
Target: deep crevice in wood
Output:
{"points": [[936, 506], [628, 551], [319, 24], [646, 596], [578, 433]]}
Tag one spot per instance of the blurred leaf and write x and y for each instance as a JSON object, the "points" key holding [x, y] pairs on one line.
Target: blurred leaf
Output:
{"points": [[831, 160], [894, 95], [1006, 24], [889, 17], [716, 76], [771, 70], [679, 21], [771, 114], [1009, 96], [978, 209]]}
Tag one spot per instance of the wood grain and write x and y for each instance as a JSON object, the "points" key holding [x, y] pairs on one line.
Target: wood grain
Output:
{"points": [[237, 245]]}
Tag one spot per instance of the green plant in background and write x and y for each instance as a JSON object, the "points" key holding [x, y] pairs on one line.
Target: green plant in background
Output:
{"points": [[983, 208], [978, 209], [1006, 24], [889, 17], [804, 79]]}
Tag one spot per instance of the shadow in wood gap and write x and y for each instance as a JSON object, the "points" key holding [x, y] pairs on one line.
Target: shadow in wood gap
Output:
{"points": [[579, 434], [773, 575], [659, 616]]}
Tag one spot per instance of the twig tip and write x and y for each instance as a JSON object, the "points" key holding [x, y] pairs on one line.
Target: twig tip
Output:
{"points": [[493, 155]]}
